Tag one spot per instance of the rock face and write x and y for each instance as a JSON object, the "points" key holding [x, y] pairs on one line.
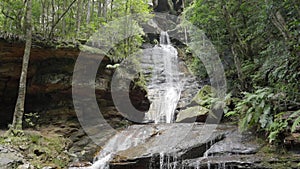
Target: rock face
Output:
{"points": [[188, 146], [156, 65], [141, 146], [240, 151], [49, 90], [49, 81], [172, 6]]}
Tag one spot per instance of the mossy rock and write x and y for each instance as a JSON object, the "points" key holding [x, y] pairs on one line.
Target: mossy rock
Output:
{"points": [[85, 48], [39, 149], [192, 114], [203, 94]]}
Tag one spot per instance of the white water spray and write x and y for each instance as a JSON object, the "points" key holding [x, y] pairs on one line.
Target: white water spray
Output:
{"points": [[165, 87]]}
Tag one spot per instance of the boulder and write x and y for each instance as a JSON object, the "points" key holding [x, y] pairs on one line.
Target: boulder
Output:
{"points": [[9, 158], [204, 93], [192, 114]]}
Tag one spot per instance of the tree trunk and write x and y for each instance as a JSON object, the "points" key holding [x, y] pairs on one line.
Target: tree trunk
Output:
{"points": [[64, 21], [234, 37], [92, 10], [88, 14], [99, 8], [104, 8], [43, 18], [78, 17], [238, 67], [111, 9], [279, 22], [53, 12], [19, 109], [59, 19]]}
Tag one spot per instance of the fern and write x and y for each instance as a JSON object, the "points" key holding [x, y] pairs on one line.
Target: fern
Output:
{"points": [[278, 126], [296, 122]]}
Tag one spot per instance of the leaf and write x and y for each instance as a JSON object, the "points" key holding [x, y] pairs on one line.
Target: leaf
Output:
{"points": [[272, 136], [230, 113], [267, 109], [263, 120], [295, 124], [295, 114]]}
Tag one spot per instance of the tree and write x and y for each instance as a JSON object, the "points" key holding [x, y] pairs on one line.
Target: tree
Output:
{"points": [[259, 39], [19, 108]]}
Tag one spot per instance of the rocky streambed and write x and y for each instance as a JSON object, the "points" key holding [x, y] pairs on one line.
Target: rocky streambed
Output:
{"points": [[186, 145]]}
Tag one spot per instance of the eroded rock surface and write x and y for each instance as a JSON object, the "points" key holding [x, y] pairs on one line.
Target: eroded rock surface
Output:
{"points": [[10, 158], [141, 146], [49, 92], [188, 146]]}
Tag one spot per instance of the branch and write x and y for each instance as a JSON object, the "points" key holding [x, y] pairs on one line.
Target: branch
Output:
{"points": [[279, 23], [57, 21], [6, 15]]}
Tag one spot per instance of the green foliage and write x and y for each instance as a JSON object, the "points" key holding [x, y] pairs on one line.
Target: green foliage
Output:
{"points": [[59, 19], [260, 39], [296, 117], [277, 127], [257, 109], [206, 97], [197, 67], [261, 110], [39, 149], [31, 119]]}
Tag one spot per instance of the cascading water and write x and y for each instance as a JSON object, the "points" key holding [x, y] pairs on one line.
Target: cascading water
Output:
{"points": [[122, 141], [164, 89]]}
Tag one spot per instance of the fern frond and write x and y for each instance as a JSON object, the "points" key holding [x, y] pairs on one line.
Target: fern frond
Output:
{"points": [[295, 124]]}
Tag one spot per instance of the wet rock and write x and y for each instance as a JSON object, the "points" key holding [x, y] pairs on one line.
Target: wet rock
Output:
{"points": [[240, 151], [10, 158], [234, 143], [80, 164], [48, 167], [157, 68], [192, 114], [25, 166], [243, 162], [145, 143], [292, 142], [182, 145]]}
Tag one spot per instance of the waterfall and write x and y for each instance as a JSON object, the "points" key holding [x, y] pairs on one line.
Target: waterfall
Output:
{"points": [[164, 38], [164, 89]]}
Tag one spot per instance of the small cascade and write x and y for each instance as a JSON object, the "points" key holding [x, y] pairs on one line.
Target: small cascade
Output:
{"points": [[164, 38], [167, 161], [164, 88], [161, 161], [119, 142]]}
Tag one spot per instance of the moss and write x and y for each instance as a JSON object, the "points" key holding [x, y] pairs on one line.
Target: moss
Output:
{"points": [[40, 150], [85, 48], [276, 157], [192, 113], [203, 94]]}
